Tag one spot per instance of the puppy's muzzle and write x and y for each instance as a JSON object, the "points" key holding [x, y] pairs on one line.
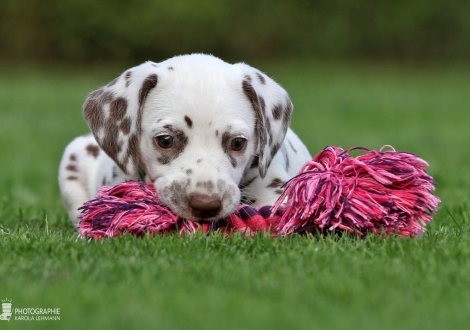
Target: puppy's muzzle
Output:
{"points": [[205, 206]]}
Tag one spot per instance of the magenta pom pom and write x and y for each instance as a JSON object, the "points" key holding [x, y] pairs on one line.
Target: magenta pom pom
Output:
{"points": [[378, 192], [130, 207], [387, 193]]}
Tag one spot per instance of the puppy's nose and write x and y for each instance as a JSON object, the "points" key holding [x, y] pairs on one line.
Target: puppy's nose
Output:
{"points": [[205, 206]]}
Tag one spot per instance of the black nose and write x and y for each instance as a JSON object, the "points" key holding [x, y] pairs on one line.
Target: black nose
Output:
{"points": [[205, 206]]}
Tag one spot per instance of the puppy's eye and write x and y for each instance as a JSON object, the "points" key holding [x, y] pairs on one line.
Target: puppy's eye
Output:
{"points": [[165, 141], [238, 144]]}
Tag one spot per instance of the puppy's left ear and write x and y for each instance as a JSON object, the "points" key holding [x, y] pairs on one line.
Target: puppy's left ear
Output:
{"points": [[273, 109]]}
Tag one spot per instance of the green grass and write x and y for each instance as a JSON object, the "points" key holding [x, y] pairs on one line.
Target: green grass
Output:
{"points": [[261, 283]]}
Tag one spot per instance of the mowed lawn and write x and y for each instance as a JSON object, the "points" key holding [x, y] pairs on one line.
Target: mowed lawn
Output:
{"points": [[201, 282]]}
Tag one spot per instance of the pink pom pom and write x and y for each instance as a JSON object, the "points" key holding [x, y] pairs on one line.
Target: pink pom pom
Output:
{"points": [[387, 193], [130, 207], [378, 192]]}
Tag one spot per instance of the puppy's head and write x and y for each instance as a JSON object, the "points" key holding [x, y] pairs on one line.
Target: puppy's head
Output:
{"points": [[195, 124]]}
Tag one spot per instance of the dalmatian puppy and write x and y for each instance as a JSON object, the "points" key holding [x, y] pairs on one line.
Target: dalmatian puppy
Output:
{"points": [[206, 133]]}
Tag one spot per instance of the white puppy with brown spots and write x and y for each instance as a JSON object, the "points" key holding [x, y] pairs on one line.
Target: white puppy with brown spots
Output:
{"points": [[206, 133]]}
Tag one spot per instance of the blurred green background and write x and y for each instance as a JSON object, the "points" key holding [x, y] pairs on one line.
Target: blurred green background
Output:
{"points": [[360, 73], [132, 31]]}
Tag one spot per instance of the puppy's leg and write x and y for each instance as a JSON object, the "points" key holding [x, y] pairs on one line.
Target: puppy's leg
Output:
{"points": [[77, 173]]}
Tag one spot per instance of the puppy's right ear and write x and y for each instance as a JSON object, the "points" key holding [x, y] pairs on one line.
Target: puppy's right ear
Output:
{"points": [[114, 114]]}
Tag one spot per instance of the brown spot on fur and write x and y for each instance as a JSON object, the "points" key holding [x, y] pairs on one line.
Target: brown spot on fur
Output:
{"points": [[216, 132], [117, 109], [72, 177], [92, 108], [226, 141], [133, 149], [188, 121], [115, 174], [276, 183], [189, 171], [279, 191], [233, 161], [277, 112], [170, 68], [93, 150], [125, 126], [262, 104], [149, 83], [73, 157], [260, 119], [72, 168], [270, 133], [110, 141], [261, 78], [177, 193], [275, 149], [287, 114], [164, 159], [208, 185], [107, 97], [127, 77]]}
